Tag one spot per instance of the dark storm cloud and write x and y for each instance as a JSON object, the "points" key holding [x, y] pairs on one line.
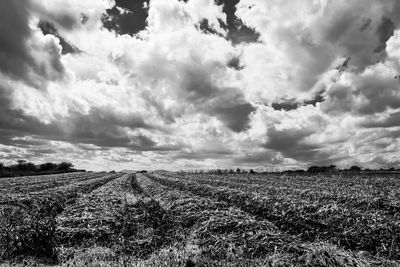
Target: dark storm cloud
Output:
{"points": [[360, 31], [381, 91], [317, 98], [197, 83], [100, 127], [393, 120], [265, 157], [226, 104], [340, 100], [385, 31], [183, 81], [285, 105], [292, 104], [104, 128], [126, 22], [235, 116], [291, 143], [16, 59], [67, 47], [14, 123], [105, 116], [14, 31], [32, 147], [203, 154], [29, 142], [112, 134], [366, 24], [393, 133], [287, 140], [235, 63], [233, 112]]}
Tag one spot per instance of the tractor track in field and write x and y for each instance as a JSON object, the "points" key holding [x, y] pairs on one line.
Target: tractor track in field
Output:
{"points": [[202, 221], [118, 215], [91, 219], [28, 221]]}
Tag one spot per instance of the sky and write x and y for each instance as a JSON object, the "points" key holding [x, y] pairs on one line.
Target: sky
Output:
{"points": [[200, 84]]}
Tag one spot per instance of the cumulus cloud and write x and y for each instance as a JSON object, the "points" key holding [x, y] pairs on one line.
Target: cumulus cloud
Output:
{"points": [[25, 53], [300, 53], [200, 83], [388, 121], [48, 28]]}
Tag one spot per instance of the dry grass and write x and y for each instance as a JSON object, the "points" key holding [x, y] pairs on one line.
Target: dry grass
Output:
{"points": [[376, 230], [183, 220]]}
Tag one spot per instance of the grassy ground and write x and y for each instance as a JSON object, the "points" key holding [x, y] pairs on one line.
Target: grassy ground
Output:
{"points": [[201, 220]]}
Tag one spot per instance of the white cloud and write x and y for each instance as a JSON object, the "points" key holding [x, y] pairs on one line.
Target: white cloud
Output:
{"points": [[300, 50], [166, 95]]}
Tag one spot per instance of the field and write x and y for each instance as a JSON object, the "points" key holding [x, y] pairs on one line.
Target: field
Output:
{"points": [[178, 219]]}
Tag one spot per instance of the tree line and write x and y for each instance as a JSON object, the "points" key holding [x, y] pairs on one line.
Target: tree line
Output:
{"points": [[311, 169], [354, 168], [220, 171], [25, 168]]}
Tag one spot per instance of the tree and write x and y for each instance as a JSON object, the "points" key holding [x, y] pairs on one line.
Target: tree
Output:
{"points": [[21, 162], [330, 168], [2, 169], [355, 168], [313, 169], [252, 171], [24, 166], [47, 166], [238, 170], [30, 167], [65, 166]]}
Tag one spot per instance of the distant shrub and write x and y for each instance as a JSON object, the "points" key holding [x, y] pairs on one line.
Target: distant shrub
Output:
{"points": [[313, 169], [355, 168]]}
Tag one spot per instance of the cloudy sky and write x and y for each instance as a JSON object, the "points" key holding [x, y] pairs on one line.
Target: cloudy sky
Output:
{"points": [[168, 84]]}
